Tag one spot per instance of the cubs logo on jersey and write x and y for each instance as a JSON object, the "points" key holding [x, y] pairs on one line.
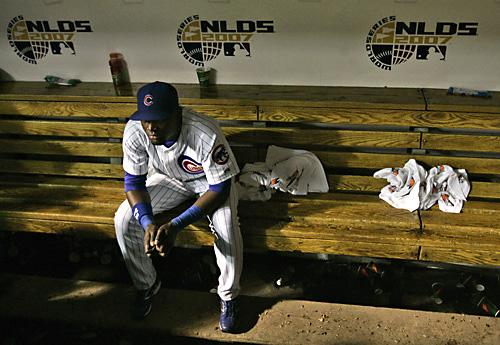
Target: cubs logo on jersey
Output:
{"points": [[220, 155], [189, 165]]}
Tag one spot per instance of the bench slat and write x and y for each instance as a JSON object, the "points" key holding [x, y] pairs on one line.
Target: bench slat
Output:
{"points": [[65, 148], [471, 255], [330, 137], [61, 168], [472, 165], [473, 119], [61, 195], [348, 116], [337, 209], [62, 128], [62, 182], [114, 110], [385, 117], [67, 109], [375, 161], [376, 250], [483, 143]]}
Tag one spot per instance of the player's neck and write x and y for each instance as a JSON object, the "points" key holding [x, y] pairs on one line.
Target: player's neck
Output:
{"points": [[171, 139]]}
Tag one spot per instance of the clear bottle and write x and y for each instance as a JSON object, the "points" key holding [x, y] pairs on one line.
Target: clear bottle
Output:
{"points": [[120, 75]]}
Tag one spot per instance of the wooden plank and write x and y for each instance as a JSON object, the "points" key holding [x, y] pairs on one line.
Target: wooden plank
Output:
{"points": [[67, 109], [472, 165], [476, 226], [24, 194], [476, 143], [375, 161], [61, 168], [341, 231], [372, 161], [62, 182], [62, 128], [86, 214], [205, 238], [64, 148], [347, 183], [369, 184], [383, 117], [330, 137], [333, 247], [337, 116], [58, 227], [350, 97], [114, 110], [472, 256], [462, 120], [438, 99], [92, 230], [363, 211], [225, 112], [485, 190]]}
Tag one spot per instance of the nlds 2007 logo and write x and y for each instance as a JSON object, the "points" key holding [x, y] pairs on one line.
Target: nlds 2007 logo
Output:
{"points": [[201, 41], [390, 42], [32, 40]]}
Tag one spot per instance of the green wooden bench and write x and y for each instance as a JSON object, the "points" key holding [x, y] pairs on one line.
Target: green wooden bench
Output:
{"points": [[60, 165]]}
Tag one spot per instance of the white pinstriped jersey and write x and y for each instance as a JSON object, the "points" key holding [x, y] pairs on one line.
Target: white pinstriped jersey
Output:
{"points": [[200, 156]]}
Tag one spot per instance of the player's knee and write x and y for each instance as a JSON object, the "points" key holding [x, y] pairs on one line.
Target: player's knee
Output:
{"points": [[122, 218]]}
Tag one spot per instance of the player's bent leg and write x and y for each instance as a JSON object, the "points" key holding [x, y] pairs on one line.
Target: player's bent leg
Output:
{"points": [[164, 195], [130, 237], [228, 247]]}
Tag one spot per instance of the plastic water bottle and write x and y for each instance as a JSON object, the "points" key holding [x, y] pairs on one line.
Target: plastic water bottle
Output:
{"points": [[120, 75]]}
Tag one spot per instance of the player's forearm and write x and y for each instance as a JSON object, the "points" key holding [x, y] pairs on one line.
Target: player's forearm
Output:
{"points": [[140, 202], [206, 204], [211, 200], [137, 196]]}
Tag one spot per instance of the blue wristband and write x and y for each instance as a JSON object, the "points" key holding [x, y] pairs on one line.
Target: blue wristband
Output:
{"points": [[143, 212], [191, 215]]}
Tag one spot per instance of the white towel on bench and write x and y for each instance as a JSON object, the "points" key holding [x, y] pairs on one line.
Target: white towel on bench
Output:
{"points": [[297, 172], [412, 188]]}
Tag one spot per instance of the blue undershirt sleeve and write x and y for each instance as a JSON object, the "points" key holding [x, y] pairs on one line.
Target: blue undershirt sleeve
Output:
{"points": [[135, 182], [220, 187]]}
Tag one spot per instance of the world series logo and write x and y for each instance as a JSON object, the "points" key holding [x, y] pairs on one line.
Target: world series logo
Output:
{"points": [[390, 42], [201, 41], [34, 40]]}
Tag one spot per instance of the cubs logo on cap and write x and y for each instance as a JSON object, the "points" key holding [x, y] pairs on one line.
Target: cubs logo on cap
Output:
{"points": [[156, 101], [148, 100]]}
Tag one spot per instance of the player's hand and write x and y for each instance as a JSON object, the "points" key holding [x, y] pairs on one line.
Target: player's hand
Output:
{"points": [[149, 239], [165, 239]]}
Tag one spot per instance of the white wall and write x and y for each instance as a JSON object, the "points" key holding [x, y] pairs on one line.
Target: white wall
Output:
{"points": [[317, 42]]}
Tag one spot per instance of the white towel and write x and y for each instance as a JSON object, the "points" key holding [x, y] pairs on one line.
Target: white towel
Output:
{"points": [[292, 171], [450, 188], [412, 188], [403, 190]]}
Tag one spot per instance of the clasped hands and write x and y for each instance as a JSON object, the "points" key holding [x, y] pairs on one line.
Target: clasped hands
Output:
{"points": [[159, 239]]}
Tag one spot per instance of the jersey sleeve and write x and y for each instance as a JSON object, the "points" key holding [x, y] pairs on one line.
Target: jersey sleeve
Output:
{"points": [[220, 163], [135, 156]]}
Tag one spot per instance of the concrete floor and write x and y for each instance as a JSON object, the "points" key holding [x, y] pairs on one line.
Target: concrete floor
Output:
{"points": [[191, 314]]}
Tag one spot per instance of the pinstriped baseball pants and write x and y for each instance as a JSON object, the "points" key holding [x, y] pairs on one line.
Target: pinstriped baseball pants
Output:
{"points": [[165, 195]]}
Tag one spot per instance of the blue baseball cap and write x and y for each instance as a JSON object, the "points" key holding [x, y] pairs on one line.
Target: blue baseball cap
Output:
{"points": [[156, 101]]}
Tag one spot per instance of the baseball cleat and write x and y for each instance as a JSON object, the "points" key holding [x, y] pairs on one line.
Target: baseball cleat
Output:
{"points": [[228, 315], [144, 301]]}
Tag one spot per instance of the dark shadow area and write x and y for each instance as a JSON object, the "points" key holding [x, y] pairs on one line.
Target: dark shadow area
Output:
{"points": [[5, 76]]}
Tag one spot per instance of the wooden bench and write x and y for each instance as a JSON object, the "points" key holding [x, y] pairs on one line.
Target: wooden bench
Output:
{"points": [[61, 171]]}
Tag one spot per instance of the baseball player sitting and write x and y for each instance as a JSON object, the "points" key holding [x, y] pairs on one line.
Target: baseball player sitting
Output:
{"points": [[191, 158]]}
